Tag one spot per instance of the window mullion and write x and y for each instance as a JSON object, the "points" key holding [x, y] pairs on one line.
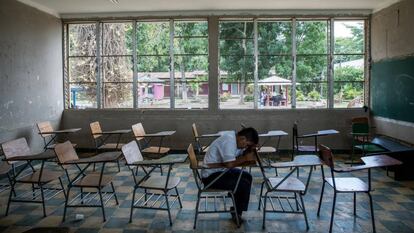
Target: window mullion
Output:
{"points": [[330, 77], [98, 66], [134, 65], [256, 64], [172, 70], [293, 100]]}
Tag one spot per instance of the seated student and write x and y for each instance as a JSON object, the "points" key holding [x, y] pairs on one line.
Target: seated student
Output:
{"points": [[231, 150]]}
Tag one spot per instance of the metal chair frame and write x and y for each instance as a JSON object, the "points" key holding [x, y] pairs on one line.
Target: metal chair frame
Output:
{"points": [[39, 193], [153, 194], [327, 157], [83, 198], [206, 193], [100, 139], [271, 188]]}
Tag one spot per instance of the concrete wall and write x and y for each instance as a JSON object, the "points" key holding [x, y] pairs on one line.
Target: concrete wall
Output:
{"points": [[209, 121], [30, 71], [392, 37]]}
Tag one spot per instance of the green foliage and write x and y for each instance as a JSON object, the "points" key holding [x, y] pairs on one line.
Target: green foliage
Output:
{"points": [[300, 96], [248, 98], [314, 96], [351, 93], [225, 96]]}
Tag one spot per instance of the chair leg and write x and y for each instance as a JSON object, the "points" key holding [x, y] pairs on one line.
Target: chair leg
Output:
{"points": [[10, 197], [66, 204], [168, 207], [113, 190], [276, 172], [179, 198], [260, 196], [63, 187], [132, 204], [102, 204], [33, 191], [196, 213], [235, 209], [320, 199], [354, 204], [161, 170], [372, 212], [43, 200], [333, 212], [296, 201], [304, 211], [264, 211], [119, 166]]}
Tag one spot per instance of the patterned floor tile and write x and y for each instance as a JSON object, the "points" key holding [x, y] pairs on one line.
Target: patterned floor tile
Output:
{"points": [[393, 204]]}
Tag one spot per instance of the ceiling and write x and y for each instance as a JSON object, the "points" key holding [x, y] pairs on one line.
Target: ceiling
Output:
{"points": [[87, 7]]}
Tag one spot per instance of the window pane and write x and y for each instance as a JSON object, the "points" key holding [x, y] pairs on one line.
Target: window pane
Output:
{"points": [[349, 36], [236, 82], [311, 95], [349, 94], [275, 74], [118, 95], [191, 82], [275, 37], [153, 63], [311, 37], [153, 38], [82, 39], [82, 69], [117, 69], [186, 28], [349, 68], [237, 47], [236, 30], [117, 38], [153, 82], [155, 93], [236, 64], [348, 81], [311, 68], [82, 95], [191, 46]]}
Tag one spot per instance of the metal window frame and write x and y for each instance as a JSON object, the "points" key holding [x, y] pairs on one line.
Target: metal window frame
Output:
{"points": [[213, 46]]}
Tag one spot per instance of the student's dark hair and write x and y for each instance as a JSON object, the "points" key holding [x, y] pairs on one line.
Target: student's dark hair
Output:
{"points": [[250, 134]]}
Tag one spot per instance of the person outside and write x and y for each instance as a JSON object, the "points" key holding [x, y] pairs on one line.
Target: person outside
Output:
{"points": [[232, 150]]}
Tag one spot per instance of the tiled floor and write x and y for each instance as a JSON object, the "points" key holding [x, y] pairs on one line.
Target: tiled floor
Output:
{"points": [[393, 203]]}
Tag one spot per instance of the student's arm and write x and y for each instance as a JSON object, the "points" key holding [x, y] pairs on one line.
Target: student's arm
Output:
{"points": [[248, 158]]}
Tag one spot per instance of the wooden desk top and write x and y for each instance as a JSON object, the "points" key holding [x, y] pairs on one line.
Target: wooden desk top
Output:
{"points": [[300, 161], [380, 161], [159, 134], [99, 158], [42, 156], [166, 160], [120, 131], [372, 162], [62, 131], [321, 133], [274, 133]]}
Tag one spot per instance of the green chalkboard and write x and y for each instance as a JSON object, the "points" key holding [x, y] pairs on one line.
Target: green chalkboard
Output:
{"points": [[392, 89]]}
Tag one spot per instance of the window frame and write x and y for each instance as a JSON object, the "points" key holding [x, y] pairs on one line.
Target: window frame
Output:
{"points": [[213, 50]]}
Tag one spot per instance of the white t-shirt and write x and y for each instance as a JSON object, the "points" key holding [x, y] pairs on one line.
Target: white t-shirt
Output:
{"points": [[223, 149]]}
